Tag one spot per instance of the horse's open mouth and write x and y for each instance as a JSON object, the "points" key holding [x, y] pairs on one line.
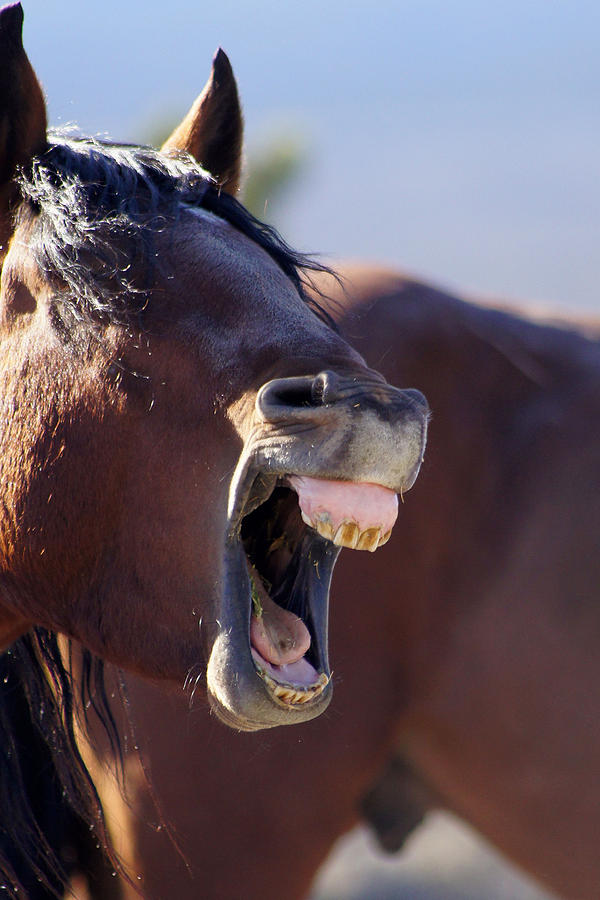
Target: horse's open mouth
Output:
{"points": [[269, 664], [290, 568], [292, 529]]}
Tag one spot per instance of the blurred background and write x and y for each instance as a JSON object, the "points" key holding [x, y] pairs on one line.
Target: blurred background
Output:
{"points": [[457, 141]]}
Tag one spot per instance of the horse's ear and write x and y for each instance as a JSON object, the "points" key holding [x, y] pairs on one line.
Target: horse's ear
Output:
{"points": [[22, 106], [22, 112], [212, 132]]}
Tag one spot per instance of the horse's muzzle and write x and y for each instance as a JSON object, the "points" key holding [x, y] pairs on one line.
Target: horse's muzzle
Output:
{"points": [[363, 429]]}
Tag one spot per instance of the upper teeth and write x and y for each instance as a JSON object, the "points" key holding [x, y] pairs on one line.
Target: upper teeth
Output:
{"points": [[348, 534]]}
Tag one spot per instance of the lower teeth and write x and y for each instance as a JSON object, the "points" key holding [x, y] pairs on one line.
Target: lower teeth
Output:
{"points": [[292, 694]]}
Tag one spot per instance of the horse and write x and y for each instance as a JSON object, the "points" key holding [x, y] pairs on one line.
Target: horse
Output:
{"points": [[187, 441], [467, 663]]}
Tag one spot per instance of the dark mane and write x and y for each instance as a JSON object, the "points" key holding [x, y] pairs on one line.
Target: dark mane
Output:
{"points": [[98, 208], [44, 782]]}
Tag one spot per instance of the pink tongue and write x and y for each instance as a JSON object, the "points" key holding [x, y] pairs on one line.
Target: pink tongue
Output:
{"points": [[280, 637], [369, 505], [299, 673]]}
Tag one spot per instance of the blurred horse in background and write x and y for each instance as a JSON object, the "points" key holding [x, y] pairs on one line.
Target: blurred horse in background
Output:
{"points": [[467, 664]]}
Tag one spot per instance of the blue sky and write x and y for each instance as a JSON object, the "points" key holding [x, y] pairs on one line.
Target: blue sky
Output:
{"points": [[459, 141]]}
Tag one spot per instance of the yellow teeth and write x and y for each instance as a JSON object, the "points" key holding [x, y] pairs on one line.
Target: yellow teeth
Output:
{"points": [[321, 523], [370, 539], [385, 538], [348, 534], [291, 694]]}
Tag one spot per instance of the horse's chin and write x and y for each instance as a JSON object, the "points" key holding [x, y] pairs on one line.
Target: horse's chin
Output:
{"points": [[269, 664]]}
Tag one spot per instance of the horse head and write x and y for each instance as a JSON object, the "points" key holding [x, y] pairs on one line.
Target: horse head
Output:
{"points": [[186, 440]]}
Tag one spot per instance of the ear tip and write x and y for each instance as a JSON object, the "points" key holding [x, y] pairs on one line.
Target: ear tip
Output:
{"points": [[221, 66], [11, 20], [11, 28]]}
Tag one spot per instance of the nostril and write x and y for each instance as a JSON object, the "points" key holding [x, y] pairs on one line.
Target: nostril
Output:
{"points": [[281, 396], [293, 393]]}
